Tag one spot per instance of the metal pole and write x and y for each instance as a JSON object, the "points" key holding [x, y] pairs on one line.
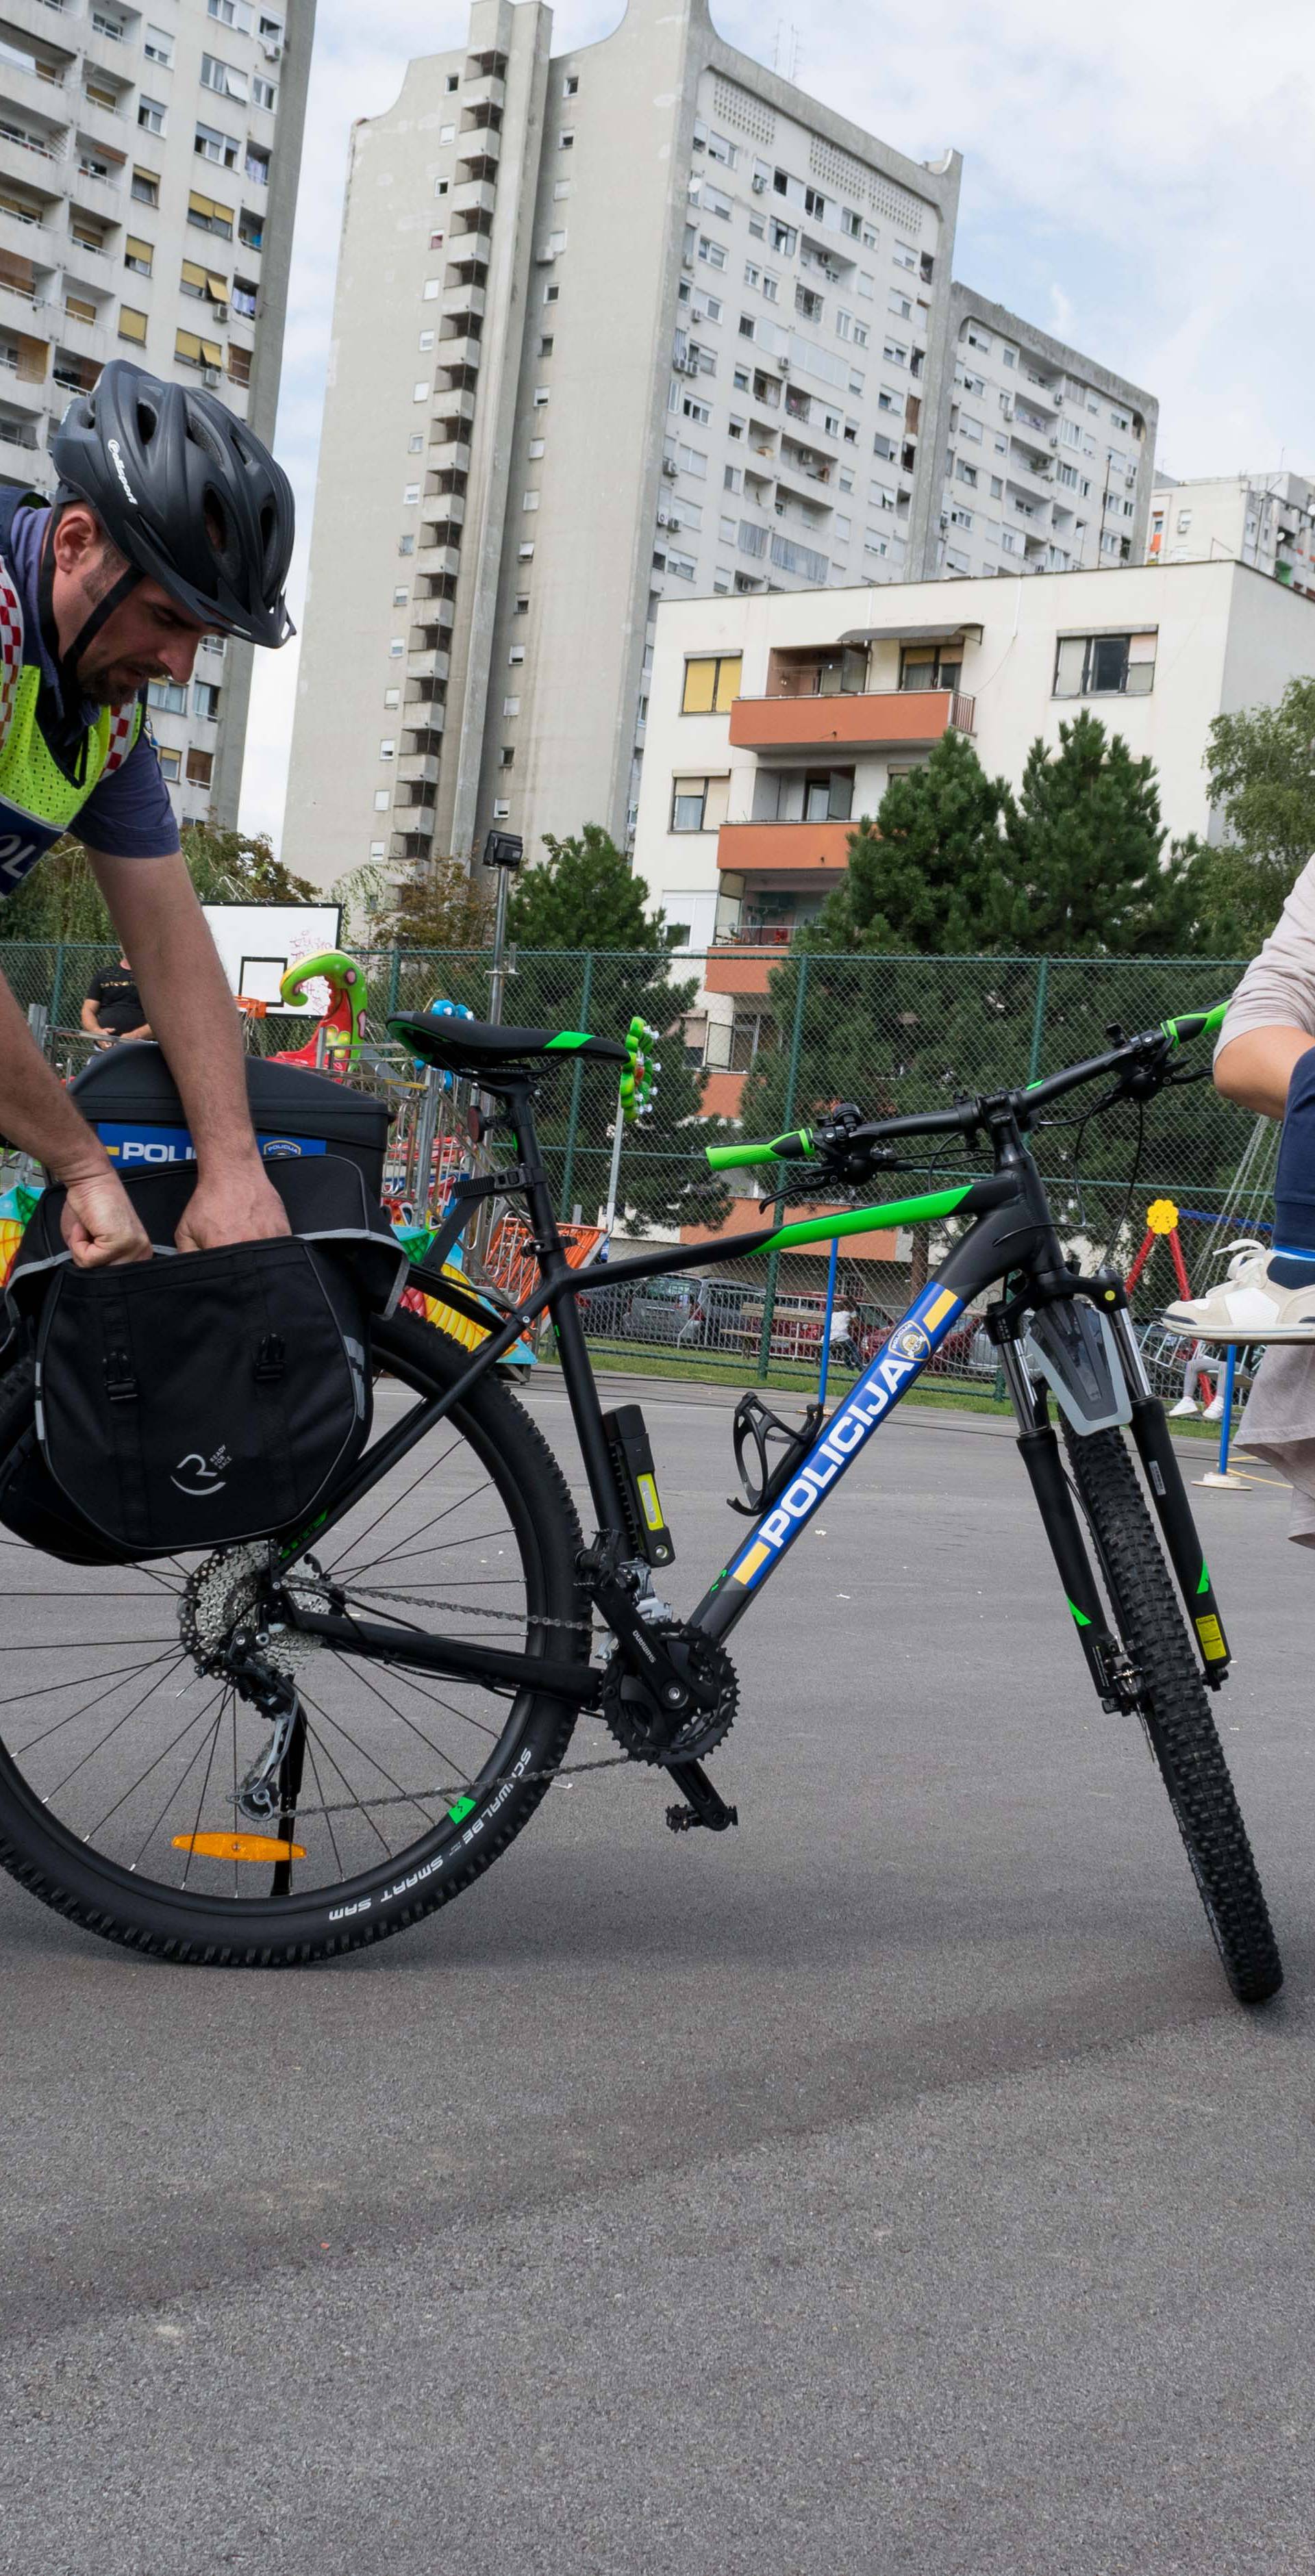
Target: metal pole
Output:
{"points": [[577, 1085], [1226, 1425], [498, 972], [1038, 1019], [615, 1173], [394, 978], [425, 1126], [832, 1267], [791, 1079], [57, 986]]}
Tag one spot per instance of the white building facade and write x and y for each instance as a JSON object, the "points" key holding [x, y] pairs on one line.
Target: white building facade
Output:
{"points": [[633, 322], [1048, 458], [1266, 520], [148, 176], [775, 723]]}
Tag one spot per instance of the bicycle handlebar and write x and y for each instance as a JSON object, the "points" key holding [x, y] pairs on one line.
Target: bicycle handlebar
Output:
{"points": [[805, 1143]]}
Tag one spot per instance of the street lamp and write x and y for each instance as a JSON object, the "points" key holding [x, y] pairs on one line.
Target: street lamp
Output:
{"points": [[503, 851]]}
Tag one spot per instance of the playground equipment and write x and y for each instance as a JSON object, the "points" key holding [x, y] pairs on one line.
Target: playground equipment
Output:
{"points": [[338, 1039], [635, 1094]]}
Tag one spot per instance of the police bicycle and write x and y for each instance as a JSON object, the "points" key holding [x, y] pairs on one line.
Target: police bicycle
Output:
{"points": [[286, 1750]]}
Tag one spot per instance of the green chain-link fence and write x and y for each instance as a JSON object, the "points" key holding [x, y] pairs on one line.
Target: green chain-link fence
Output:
{"points": [[774, 1043]]}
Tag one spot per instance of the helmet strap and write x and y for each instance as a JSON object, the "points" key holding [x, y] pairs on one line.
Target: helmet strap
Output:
{"points": [[66, 661]]}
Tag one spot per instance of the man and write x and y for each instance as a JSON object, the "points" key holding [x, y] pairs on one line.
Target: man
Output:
{"points": [[171, 521], [113, 1007]]}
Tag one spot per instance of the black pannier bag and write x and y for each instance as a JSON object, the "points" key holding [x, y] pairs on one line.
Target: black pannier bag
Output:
{"points": [[198, 1399], [129, 1096]]}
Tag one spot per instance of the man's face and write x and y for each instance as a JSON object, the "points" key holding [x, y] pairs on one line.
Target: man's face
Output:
{"points": [[147, 638]]}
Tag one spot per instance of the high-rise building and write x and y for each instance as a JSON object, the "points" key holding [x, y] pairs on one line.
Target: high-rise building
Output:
{"points": [[634, 322], [148, 175], [1049, 459], [1263, 519]]}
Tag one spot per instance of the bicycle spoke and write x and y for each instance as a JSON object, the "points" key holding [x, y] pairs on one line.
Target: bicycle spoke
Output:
{"points": [[174, 1792], [190, 1853]]}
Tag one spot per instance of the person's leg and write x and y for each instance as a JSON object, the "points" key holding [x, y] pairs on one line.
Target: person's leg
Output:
{"points": [[1292, 1262]]}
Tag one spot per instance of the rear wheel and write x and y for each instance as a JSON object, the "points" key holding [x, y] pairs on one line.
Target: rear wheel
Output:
{"points": [[120, 1763], [1175, 1710]]}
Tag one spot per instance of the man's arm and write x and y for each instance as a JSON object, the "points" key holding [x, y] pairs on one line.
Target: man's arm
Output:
{"points": [[1255, 1069], [38, 1115], [190, 1009], [91, 1018]]}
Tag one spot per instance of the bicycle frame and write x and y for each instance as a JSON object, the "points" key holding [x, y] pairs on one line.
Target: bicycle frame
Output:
{"points": [[1012, 1237]]}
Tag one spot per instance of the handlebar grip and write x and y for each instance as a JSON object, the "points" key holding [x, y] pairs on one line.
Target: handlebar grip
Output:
{"points": [[1194, 1024], [782, 1149]]}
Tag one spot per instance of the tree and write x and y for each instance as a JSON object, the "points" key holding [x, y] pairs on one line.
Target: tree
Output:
{"points": [[921, 878], [584, 895], [582, 911], [240, 867], [1260, 766], [1086, 871], [445, 906]]}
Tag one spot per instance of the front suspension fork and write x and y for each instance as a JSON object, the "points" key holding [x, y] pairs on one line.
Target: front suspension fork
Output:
{"points": [[1164, 1476], [1038, 1444]]}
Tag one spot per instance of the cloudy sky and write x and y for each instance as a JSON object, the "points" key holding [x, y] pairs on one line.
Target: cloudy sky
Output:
{"points": [[1138, 178]]}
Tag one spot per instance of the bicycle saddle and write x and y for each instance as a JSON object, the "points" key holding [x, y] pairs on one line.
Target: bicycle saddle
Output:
{"points": [[479, 1047]]}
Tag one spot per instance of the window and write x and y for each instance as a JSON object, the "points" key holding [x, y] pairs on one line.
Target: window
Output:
{"points": [[807, 303], [137, 255], [692, 460], [881, 496], [511, 706], [698, 804], [715, 204], [931, 666], [447, 133], [396, 648], [897, 354], [251, 229], [507, 756], [420, 389], [545, 351], [171, 762], [150, 114], [223, 78], [388, 748], [726, 531], [406, 545], [168, 697], [522, 604], [536, 448], [719, 149], [158, 47], [570, 84], [1010, 357], [898, 302], [713, 252], [566, 142], [132, 326], [501, 809], [191, 350], [401, 596], [107, 26], [382, 800], [146, 187], [683, 566], [732, 478], [562, 189], [966, 473], [524, 554], [1091, 666], [243, 298], [1184, 522], [516, 653], [410, 494], [977, 338], [711, 681], [205, 700], [216, 146], [529, 500], [256, 165], [883, 446], [264, 93], [231, 13], [425, 341], [971, 430]]}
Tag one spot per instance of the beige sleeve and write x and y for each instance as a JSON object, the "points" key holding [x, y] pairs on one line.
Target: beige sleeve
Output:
{"points": [[1278, 988]]}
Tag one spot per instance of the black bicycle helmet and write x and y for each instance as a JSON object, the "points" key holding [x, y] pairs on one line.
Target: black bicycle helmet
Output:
{"points": [[188, 493]]}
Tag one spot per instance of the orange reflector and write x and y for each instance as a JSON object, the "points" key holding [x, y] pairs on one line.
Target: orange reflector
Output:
{"points": [[238, 1847]]}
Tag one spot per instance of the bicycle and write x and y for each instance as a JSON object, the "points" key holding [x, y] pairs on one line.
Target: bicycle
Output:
{"points": [[345, 1765]]}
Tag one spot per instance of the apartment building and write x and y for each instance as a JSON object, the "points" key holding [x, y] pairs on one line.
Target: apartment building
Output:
{"points": [[1049, 459], [1267, 520], [774, 723], [148, 175], [634, 322]]}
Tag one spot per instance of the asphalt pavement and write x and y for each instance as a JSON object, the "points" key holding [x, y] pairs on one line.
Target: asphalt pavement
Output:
{"points": [[890, 2185]]}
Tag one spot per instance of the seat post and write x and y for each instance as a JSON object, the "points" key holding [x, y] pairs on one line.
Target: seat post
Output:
{"points": [[577, 1371]]}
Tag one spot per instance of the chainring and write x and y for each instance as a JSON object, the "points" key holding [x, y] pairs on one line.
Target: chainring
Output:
{"points": [[631, 1715]]}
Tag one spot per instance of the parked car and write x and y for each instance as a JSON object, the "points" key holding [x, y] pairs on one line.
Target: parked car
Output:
{"points": [[666, 1310]]}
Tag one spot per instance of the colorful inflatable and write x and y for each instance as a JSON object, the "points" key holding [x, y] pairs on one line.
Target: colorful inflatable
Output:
{"points": [[343, 1024]]}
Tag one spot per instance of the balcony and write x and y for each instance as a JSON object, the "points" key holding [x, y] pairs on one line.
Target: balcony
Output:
{"points": [[92, 340], [21, 310], [445, 506], [425, 661], [879, 720], [449, 457], [103, 197], [455, 411], [424, 717], [22, 389], [417, 770], [487, 91], [460, 301], [28, 237], [463, 353], [766, 848], [474, 197], [438, 562]]}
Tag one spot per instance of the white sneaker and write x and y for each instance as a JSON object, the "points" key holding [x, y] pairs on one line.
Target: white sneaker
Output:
{"points": [[1246, 1307], [1186, 1404], [1214, 1411]]}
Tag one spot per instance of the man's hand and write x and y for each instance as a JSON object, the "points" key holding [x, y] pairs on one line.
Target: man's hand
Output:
{"points": [[235, 1204], [100, 1225]]}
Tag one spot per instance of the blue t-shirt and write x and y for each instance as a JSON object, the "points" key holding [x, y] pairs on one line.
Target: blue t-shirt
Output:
{"points": [[128, 815]]}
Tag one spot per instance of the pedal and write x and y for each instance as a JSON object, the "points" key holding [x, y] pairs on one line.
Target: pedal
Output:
{"points": [[682, 1820]]}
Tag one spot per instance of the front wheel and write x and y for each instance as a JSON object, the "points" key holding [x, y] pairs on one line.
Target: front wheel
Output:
{"points": [[1175, 1711]]}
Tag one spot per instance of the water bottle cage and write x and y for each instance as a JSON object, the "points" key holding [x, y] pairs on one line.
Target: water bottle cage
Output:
{"points": [[755, 1428]]}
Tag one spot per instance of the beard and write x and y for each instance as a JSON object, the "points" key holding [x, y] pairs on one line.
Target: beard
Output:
{"points": [[112, 683]]}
